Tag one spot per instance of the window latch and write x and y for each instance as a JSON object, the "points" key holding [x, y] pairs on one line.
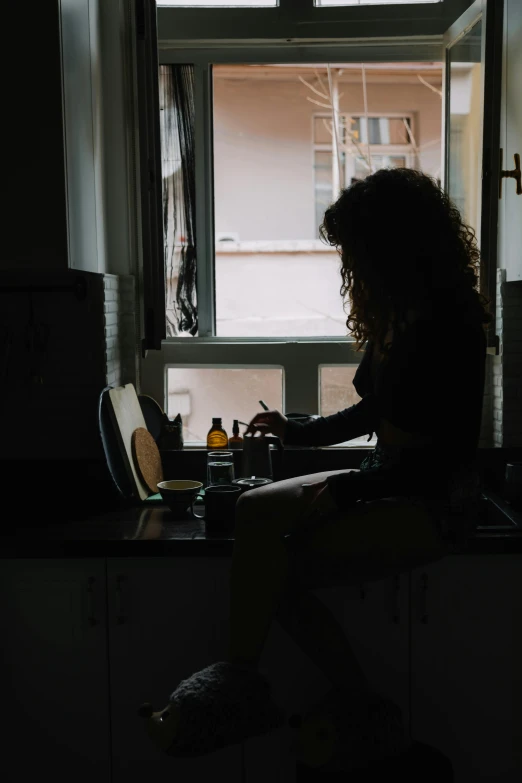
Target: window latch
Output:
{"points": [[515, 173]]}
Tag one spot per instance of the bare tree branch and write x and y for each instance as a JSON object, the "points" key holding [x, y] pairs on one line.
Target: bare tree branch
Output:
{"points": [[423, 81], [324, 105], [411, 137], [320, 80], [317, 92]]}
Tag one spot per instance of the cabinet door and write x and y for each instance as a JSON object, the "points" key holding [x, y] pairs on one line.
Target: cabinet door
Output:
{"points": [[54, 673], [466, 653], [375, 618], [168, 618]]}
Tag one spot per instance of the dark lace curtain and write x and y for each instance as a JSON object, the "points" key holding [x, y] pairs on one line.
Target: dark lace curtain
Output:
{"points": [[176, 85]]}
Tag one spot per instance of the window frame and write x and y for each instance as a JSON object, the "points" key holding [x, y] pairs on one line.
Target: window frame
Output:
{"points": [[189, 36], [299, 357], [300, 20]]}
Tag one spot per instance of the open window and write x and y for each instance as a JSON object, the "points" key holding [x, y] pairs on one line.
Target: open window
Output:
{"points": [[255, 142]]}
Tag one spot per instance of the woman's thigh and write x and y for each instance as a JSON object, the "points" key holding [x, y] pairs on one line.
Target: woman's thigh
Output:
{"points": [[372, 541], [369, 542], [279, 508]]}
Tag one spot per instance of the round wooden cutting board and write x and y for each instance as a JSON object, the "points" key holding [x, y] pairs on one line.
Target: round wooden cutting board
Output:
{"points": [[147, 458]]}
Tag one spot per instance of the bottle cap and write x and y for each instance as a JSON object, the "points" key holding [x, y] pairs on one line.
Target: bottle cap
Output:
{"points": [[217, 422]]}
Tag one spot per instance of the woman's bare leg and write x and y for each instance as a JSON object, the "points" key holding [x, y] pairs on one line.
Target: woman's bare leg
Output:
{"points": [[379, 540], [313, 627], [259, 572]]}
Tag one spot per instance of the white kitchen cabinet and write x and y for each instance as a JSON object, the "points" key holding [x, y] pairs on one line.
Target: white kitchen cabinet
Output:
{"points": [[466, 651], [376, 621], [168, 618], [54, 670]]}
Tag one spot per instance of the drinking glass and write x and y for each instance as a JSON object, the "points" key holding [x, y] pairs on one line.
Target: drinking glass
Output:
{"points": [[220, 468]]}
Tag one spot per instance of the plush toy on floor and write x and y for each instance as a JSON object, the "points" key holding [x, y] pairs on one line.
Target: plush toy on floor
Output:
{"points": [[345, 732], [221, 705]]}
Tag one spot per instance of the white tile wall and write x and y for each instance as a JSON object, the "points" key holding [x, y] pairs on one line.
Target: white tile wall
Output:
{"points": [[120, 330], [507, 367]]}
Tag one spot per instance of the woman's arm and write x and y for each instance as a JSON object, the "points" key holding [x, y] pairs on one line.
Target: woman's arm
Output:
{"points": [[360, 419]]}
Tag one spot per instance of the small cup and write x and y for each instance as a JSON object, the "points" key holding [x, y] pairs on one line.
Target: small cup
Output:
{"points": [[180, 495], [220, 507]]}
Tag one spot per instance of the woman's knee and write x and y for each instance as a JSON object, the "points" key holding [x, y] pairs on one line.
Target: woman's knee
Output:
{"points": [[249, 507]]}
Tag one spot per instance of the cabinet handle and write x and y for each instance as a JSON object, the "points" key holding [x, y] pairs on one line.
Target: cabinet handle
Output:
{"points": [[90, 601], [397, 600], [424, 598], [120, 617]]}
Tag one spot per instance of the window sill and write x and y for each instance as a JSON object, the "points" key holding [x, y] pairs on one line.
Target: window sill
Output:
{"points": [[340, 446]]}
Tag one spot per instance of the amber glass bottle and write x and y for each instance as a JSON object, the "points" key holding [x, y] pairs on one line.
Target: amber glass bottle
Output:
{"points": [[217, 438], [236, 441]]}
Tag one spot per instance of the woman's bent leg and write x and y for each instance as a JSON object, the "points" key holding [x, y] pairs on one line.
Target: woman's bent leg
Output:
{"points": [[375, 541], [313, 627], [259, 572]]}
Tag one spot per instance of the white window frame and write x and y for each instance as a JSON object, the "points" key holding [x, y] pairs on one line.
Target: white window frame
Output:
{"points": [[300, 358]]}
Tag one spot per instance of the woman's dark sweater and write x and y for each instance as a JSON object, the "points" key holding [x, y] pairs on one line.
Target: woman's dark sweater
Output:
{"points": [[427, 385]]}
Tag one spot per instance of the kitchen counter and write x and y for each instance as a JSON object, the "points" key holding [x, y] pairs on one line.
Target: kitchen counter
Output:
{"points": [[151, 531]]}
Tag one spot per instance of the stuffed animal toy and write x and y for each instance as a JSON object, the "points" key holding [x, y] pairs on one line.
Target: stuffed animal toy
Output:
{"points": [[221, 705]]}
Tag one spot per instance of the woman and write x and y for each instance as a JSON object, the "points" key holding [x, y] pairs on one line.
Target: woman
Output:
{"points": [[409, 270]]}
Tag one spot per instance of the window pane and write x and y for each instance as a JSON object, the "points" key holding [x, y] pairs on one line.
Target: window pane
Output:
{"points": [[465, 127], [276, 172], [322, 130], [200, 394], [217, 3], [323, 184], [337, 392], [378, 162], [381, 130], [373, 2]]}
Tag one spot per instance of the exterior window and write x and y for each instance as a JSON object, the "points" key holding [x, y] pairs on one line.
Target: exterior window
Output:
{"points": [[336, 392], [364, 145], [200, 394], [242, 213]]}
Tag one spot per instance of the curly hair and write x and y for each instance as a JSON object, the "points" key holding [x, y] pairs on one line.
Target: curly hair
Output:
{"points": [[403, 244]]}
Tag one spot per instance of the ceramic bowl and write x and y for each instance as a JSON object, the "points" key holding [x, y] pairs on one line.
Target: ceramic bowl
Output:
{"points": [[179, 495]]}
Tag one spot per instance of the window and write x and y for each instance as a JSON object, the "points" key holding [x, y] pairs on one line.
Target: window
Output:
{"points": [[201, 394], [249, 165], [364, 145], [465, 125], [336, 392], [274, 172]]}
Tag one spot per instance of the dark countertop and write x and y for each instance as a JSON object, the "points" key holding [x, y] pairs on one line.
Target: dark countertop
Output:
{"points": [[71, 509], [151, 531]]}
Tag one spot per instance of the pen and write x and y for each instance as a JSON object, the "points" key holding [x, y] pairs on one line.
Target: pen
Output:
{"points": [[263, 405]]}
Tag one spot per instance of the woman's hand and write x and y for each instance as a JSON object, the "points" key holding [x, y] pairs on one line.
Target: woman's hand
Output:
{"points": [[318, 499], [268, 421]]}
